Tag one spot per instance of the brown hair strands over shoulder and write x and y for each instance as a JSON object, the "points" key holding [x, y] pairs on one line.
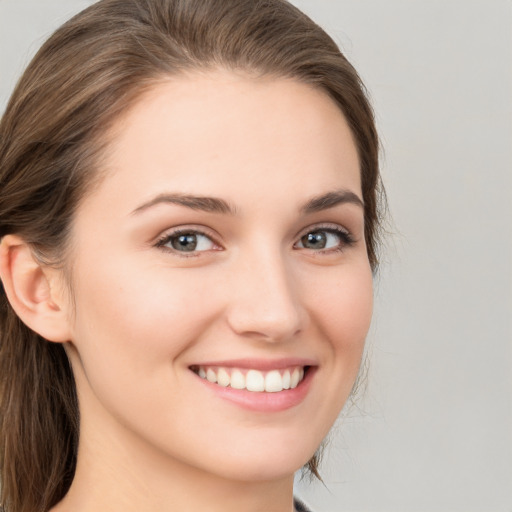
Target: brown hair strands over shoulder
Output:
{"points": [[52, 137]]}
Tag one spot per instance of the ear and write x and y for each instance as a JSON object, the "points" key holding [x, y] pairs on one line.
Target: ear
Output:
{"points": [[34, 291]]}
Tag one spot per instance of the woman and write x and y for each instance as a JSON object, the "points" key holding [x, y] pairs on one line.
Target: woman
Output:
{"points": [[189, 220]]}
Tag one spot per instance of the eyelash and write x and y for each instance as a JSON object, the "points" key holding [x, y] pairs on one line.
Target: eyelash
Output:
{"points": [[345, 240]]}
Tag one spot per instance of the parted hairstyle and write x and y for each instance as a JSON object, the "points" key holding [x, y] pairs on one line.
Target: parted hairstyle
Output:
{"points": [[52, 137]]}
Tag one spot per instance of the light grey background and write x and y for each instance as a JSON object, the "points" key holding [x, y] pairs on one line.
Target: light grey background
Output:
{"points": [[433, 432]]}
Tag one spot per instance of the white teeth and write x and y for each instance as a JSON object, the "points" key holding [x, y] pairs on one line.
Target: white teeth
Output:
{"points": [[272, 381], [254, 381], [237, 380], [223, 378], [294, 380], [286, 379]]}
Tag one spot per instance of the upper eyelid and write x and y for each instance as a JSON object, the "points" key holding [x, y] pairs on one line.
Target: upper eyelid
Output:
{"points": [[327, 226], [196, 229]]}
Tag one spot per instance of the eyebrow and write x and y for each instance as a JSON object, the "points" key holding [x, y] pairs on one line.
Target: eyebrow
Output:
{"points": [[202, 203], [330, 200], [217, 205]]}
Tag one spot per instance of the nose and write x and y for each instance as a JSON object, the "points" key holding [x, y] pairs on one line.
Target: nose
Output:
{"points": [[264, 299]]}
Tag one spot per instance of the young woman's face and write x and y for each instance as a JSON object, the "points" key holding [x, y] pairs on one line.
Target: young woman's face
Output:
{"points": [[226, 243]]}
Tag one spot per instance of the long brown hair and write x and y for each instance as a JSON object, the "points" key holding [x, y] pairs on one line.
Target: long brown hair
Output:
{"points": [[52, 136]]}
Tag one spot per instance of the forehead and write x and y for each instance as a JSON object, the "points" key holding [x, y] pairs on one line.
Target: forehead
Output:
{"points": [[223, 133]]}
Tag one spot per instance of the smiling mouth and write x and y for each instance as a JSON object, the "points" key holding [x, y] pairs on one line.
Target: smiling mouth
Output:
{"points": [[257, 381]]}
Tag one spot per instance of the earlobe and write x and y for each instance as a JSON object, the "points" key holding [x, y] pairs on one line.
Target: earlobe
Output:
{"points": [[31, 290]]}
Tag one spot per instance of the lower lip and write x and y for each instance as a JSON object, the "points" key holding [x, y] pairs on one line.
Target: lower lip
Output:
{"points": [[263, 401]]}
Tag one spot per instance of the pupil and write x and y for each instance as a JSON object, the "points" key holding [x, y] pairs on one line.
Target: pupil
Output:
{"points": [[185, 242], [315, 240]]}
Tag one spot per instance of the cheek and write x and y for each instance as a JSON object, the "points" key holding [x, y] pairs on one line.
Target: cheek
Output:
{"points": [[140, 319], [344, 303], [130, 333], [340, 306]]}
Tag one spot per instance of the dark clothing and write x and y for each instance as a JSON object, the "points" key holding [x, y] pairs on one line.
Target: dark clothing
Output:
{"points": [[299, 506]]}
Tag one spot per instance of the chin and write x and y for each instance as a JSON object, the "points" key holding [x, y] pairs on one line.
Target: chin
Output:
{"points": [[257, 465]]}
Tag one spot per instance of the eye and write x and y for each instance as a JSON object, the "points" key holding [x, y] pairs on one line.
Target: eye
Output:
{"points": [[187, 241], [325, 239]]}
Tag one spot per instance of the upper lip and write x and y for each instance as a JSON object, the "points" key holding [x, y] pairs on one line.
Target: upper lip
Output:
{"points": [[259, 364]]}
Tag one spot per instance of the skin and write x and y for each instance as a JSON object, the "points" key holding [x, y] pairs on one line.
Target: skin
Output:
{"points": [[153, 436]]}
